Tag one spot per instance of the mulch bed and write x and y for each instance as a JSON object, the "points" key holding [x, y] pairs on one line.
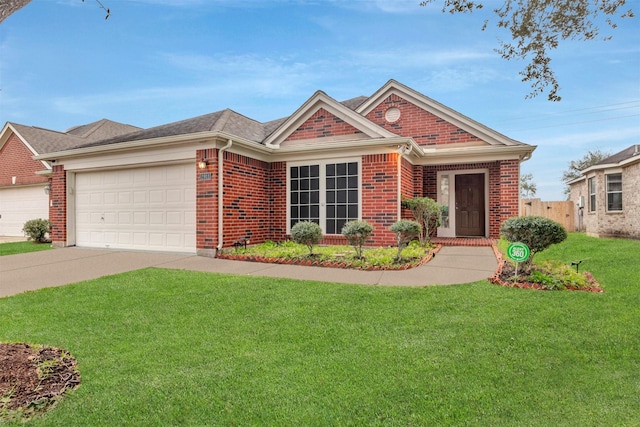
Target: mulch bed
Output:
{"points": [[338, 263], [33, 378], [505, 272]]}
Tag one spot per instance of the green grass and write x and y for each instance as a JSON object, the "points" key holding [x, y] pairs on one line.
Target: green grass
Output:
{"points": [[22, 247], [164, 347]]}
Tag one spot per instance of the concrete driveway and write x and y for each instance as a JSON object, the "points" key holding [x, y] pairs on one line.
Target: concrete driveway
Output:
{"points": [[57, 267]]}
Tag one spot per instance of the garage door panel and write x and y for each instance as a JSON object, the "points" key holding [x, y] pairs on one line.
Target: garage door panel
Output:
{"points": [[147, 209], [19, 205]]}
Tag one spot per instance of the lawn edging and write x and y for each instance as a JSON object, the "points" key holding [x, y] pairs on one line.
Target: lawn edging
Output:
{"points": [[328, 263], [496, 280]]}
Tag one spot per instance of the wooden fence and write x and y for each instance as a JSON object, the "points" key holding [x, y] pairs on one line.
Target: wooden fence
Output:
{"points": [[561, 212]]}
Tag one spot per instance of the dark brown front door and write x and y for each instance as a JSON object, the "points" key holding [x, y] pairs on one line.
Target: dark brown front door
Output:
{"points": [[470, 205]]}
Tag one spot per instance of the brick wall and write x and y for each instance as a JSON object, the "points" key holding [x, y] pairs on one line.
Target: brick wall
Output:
{"points": [[58, 206], [277, 219], [207, 201], [503, 188], [424, 127], [246, 199], [612, 224], [380, 195], [322, 124], [16, 161]]}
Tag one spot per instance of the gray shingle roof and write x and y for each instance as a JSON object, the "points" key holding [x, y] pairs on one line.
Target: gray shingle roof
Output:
{"points": [[101, 129], [623, 155]]}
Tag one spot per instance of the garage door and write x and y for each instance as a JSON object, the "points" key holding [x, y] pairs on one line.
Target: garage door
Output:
{"points": [[20, 204], [149, 208]]}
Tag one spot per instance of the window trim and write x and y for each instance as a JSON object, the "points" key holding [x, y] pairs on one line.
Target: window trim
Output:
{"points": [[323, 187], [607, 191], [592, 204]]}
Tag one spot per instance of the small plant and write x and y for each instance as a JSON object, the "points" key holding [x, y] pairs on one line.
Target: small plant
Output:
{"points": [[37, 230], [536, 232], [357, 233], [427, 213], [405, 231], [306, 233]]}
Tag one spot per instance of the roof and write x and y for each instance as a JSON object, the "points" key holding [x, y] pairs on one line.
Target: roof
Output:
{"points": [[48, 141], [620, 157]]}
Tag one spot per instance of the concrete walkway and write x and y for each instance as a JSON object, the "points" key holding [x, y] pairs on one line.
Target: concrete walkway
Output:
{"points": [[57, 267]]}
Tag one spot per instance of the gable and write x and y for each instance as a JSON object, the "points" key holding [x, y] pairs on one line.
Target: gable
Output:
{"points": [[404, 118], [16, 160], [323, 118], [322, 124]]}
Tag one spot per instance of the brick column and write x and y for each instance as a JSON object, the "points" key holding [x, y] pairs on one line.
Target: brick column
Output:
{"points": [[58, 206]]}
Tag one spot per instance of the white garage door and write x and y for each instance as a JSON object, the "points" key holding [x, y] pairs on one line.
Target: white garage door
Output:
{"points": [[20, 204], [151, 208]]}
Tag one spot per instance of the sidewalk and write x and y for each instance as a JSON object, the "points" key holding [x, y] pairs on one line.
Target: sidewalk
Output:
{"points": [[35, 270]]}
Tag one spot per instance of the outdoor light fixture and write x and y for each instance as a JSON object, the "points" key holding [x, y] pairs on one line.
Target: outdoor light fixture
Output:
{"points": [[47, 189], [202, 164]]}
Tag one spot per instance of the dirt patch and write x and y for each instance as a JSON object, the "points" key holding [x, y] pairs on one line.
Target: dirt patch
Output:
{"points": [[32, 378]]}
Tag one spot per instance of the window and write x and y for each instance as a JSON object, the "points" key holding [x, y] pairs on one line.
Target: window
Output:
{"points": [[325, 193], [614, 192], [592, 194], [444, 200]]}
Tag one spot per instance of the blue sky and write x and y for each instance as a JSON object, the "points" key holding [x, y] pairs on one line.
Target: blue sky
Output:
{"points": [[158, 61]]}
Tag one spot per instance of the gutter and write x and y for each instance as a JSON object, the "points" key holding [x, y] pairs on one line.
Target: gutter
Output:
{"points": [[221, 192]]}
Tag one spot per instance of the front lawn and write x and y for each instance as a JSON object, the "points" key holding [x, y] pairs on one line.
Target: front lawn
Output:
{"points": [[22, 247], [166, 347]]}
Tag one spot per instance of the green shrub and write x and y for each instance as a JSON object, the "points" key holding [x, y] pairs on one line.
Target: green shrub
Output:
{"points": [[37, 230], [357, 233], [405, 231], [536, 232], [306, 233], [427, 213]]}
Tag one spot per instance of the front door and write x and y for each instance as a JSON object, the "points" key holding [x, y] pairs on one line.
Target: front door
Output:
{"points": [[469, 189]]}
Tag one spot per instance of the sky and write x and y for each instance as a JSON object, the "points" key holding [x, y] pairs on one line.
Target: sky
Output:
{"points": [[159, 61]]}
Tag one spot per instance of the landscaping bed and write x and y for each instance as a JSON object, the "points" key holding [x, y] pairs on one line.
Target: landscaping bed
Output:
{"points": [[548, 275], [373, 259]]}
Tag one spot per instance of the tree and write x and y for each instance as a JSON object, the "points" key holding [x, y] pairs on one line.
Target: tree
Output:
{"points": [[427, 213], [536, 232], [538, 26], [357, 233], [577, 166], [7, 7], [405, 231], [306, 233], [528, 188]]}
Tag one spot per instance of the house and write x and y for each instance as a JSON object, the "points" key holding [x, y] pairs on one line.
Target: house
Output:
{"points": [[329, 162], [608, 197], [24, 183]]}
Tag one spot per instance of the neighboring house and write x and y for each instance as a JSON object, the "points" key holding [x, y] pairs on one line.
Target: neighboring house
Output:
{"points": [[329, 162], [24, 183], [608, 196]]}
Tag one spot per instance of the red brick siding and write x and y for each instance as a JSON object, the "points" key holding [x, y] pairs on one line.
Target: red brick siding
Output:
{"points": [[277, 219], [380, 195], [207, 200], [16, 161], [321, 125], [424, 127], [58, 206], [246, 199], [503, 188]]}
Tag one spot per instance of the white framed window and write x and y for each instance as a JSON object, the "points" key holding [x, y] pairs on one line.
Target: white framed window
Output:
{"points": [[325, 192], [591, 185], [614, 192]]}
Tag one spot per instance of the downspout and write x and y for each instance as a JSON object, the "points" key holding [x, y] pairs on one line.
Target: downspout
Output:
{"points": [[221, 192], [401, 152]]}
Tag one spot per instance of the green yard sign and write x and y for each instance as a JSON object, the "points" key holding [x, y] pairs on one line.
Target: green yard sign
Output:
{"points": [[518, 252]]}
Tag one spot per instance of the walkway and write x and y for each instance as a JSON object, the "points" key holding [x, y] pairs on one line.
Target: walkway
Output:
{"points": [[35, 270]]}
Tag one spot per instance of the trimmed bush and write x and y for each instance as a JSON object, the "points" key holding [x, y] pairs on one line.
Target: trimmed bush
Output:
{"points": [[405, 231], [534, 231], [428, 213], [306, 233], [357, 233], [37, 230]]}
